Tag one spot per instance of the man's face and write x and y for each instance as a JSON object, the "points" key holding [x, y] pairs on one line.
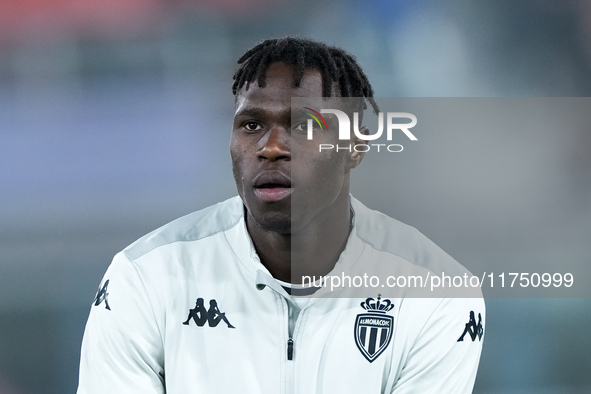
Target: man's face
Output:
{"points": [[284, 182]]}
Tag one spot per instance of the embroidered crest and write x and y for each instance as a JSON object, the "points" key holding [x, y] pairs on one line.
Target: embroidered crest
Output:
{"points": [[374, 329]]}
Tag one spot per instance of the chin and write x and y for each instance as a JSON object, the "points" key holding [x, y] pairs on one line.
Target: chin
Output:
{"points": [[277, 222], [278, 226]]}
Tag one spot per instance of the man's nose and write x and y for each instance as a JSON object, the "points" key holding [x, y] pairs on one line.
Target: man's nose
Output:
{"points": [[275, 145]]}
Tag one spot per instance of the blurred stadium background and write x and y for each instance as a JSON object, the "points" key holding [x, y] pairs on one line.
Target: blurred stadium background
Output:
{"points": [[115, 118]]}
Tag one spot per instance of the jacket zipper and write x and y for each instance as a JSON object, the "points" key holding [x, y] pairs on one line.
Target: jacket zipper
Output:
{"points": [[292, 317], [290, 349]]}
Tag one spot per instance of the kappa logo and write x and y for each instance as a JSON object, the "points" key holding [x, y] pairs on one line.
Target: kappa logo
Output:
{"points": [[473, 329], [211, 316], [374, 329], [101, 295]]}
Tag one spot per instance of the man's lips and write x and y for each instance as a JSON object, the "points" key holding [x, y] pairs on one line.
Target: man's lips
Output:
{"points": [[272, 186], [272, 194]]}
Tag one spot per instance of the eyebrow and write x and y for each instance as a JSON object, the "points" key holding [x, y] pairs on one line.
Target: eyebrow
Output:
{"points": [[261, 113], [251, 111], [300, 111]]}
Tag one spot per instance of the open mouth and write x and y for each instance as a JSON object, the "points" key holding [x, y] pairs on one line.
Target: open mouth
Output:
{"points": [[272, 187]]}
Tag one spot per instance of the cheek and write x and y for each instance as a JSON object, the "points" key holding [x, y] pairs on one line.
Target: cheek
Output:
{"points": [[236, 156], [236, 150], [323, 174], [241, 154]]}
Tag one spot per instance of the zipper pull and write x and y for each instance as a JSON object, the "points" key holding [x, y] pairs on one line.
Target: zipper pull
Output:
{"points": [[290, 349]]}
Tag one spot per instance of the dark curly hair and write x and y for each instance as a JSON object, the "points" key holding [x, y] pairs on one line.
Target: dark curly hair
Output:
{"points": [[337, 67]]}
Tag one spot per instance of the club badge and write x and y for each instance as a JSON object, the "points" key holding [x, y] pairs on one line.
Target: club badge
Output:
{"points": [[373, 330]]}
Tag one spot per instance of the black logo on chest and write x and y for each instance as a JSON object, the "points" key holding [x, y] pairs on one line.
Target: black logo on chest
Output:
{"points": [[212, 316]]}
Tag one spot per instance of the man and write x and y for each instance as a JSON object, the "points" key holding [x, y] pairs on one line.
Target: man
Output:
{"points": [[246, 256]]}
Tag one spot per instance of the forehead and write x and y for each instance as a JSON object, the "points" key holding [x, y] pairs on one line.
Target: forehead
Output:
{"points": [[280, 88]]}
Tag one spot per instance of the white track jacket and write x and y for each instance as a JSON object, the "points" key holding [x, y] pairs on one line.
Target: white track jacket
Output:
{"points": [[189, 308]]}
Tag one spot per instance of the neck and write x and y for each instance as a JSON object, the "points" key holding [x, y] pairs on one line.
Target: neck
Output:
{"points": [[311, 250]]}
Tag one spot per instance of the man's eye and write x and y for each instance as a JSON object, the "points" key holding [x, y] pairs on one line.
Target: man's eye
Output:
{"points": [[302, 126], [252, 126]]}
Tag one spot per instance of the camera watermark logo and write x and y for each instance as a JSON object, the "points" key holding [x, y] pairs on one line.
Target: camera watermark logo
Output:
{"points": [[392, 121], [315, 116]]}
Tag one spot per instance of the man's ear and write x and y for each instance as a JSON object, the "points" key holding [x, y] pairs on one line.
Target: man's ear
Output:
{"points": [[356, 157]]}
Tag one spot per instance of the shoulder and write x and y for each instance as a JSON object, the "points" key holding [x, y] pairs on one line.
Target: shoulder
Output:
{"points": [[192, 227], [389, 235]]}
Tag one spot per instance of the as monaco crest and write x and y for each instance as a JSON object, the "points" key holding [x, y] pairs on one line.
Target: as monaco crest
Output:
{"points": [[373, 330]]}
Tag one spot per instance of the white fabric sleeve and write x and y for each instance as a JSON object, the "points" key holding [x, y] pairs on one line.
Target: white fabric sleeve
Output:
{"points": [[122, 349], [444, 358]]}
